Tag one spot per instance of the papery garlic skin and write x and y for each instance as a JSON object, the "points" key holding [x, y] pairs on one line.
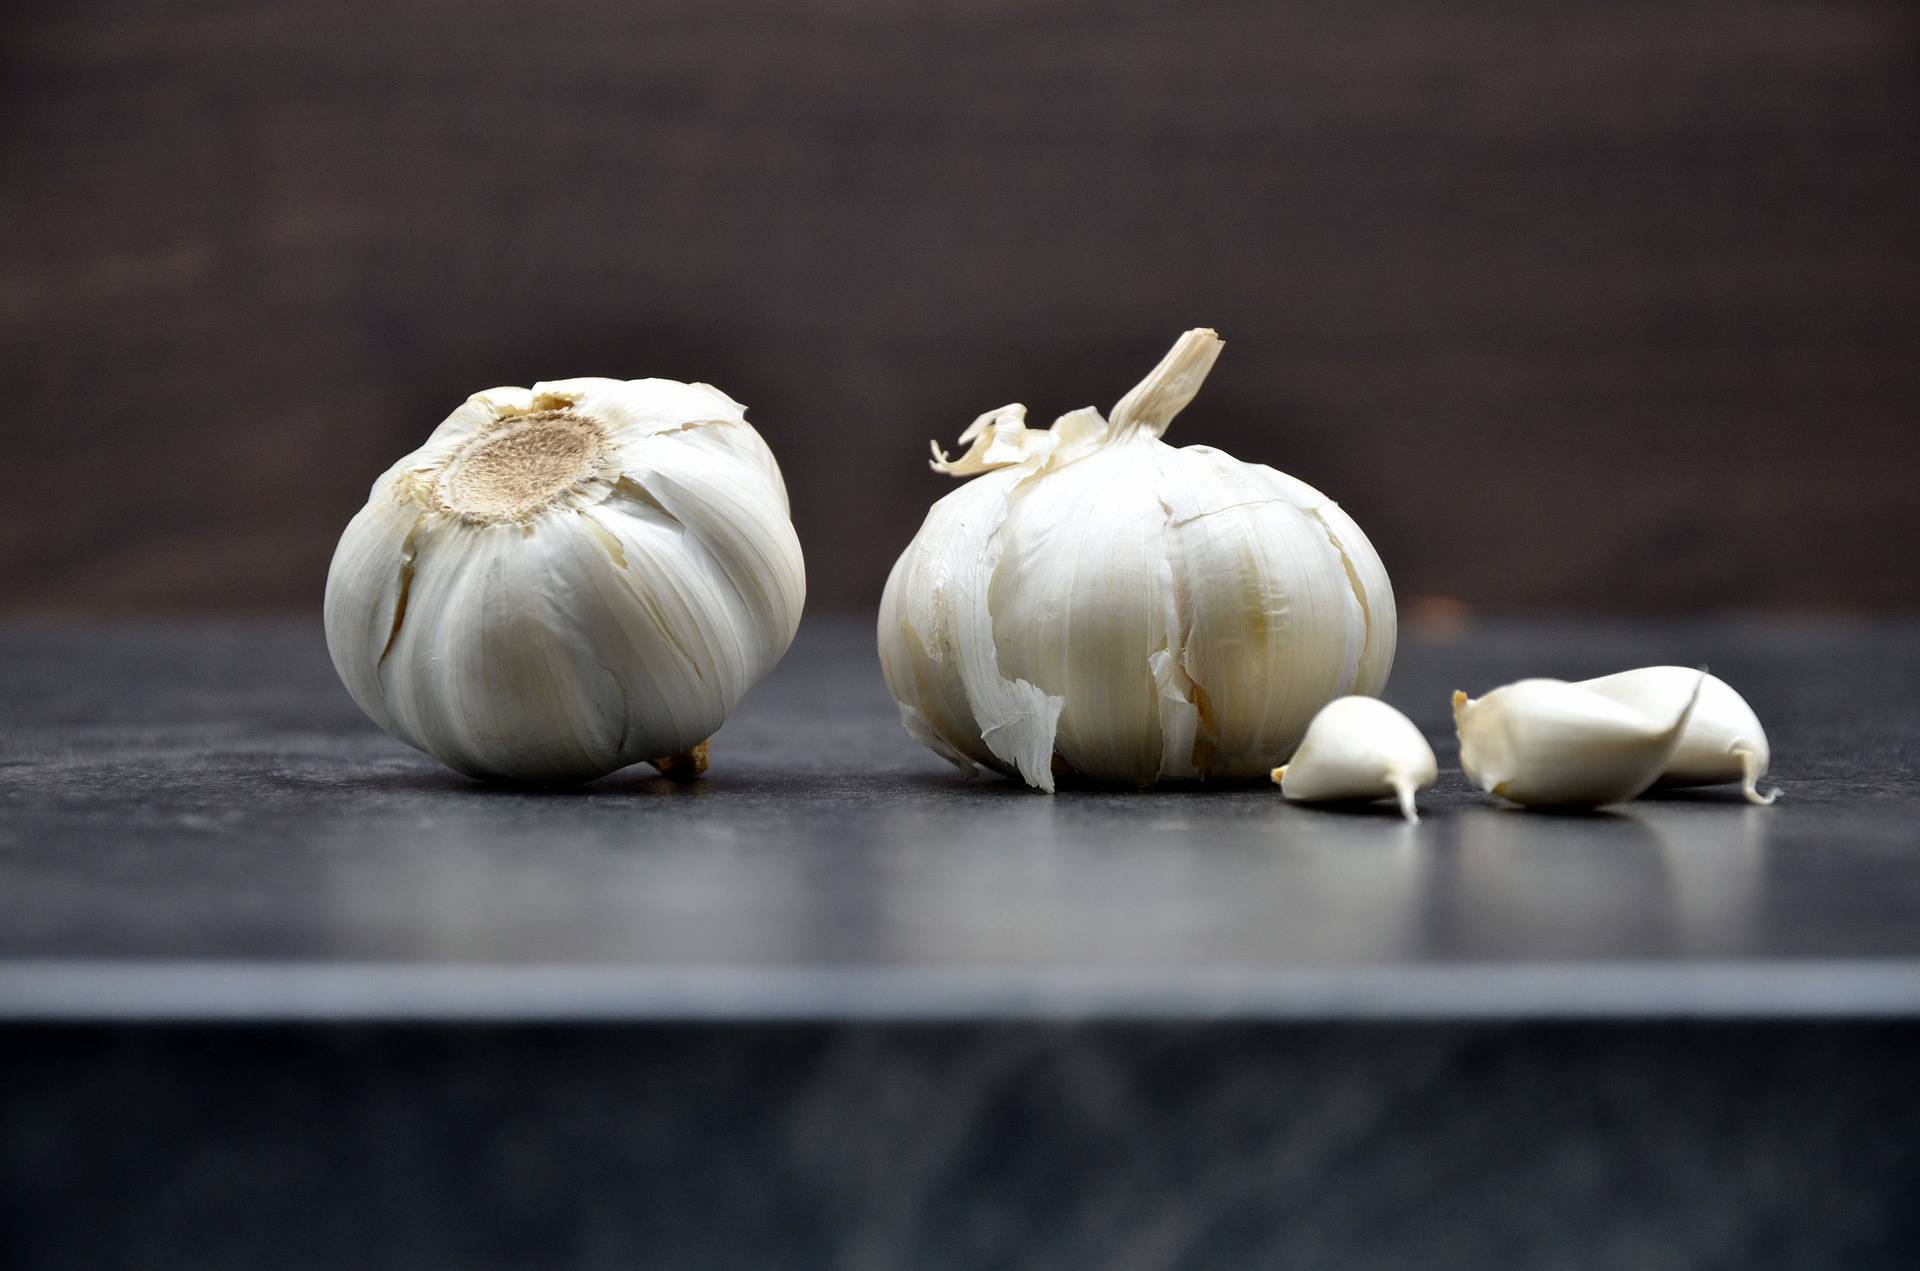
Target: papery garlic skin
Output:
{"points": [[1723, 742], [568, 579], [1099, 603], [1550, 743], [1360, 748]]}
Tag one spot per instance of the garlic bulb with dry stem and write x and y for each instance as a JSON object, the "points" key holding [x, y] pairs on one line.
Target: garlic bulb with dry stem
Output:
{"points": [[1723, 742], [568, 579], [1360, 748], [1551, 743], [1099, 603]]}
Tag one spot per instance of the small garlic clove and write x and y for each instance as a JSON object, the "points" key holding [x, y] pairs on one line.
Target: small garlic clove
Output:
{"points": [[1359, 748], [1551, 743], [1723, 742]]}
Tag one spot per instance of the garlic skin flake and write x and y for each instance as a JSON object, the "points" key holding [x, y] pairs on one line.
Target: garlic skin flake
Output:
{"points": [[1360, 748], [1097, 602], [1723, 742], [568, 579], [1551, 743]]}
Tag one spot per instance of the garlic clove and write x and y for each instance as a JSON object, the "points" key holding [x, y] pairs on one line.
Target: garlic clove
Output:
{"points": [[1293, 613], [1550, 743], [952, 681], [1723, 742], [1068, 605], [1360, 748]]}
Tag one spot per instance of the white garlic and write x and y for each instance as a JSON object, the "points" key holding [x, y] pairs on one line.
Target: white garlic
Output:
{"points": [[1098, 602], [1723, 741], [1548, 742], [568, 579], [1360, 748]]}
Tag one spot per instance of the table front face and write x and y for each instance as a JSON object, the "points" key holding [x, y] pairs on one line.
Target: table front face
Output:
{"points": [[207, 795]]}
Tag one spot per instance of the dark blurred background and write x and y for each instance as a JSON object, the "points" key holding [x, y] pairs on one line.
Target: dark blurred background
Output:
{"points": [[1591, 306]]}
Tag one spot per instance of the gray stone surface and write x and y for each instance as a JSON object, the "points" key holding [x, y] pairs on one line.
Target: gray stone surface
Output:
{"points": [[1023, 1146], [277, 991], [196, 821]]}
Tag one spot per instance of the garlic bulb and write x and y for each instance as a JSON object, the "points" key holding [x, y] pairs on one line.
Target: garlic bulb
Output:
{"points": [[568, 579], [1360, 748], [1548, 742], [1723, 741], [1097, 602]]}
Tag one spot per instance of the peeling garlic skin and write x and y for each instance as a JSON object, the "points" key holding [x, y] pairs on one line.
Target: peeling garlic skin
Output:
{"points": [[568, 579], [1723, 743], [1360, 748], [1099, 601], [1550, 743]]}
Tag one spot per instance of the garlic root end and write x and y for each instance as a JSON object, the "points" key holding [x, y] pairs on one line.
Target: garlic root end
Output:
{"points": [[686, 765]]}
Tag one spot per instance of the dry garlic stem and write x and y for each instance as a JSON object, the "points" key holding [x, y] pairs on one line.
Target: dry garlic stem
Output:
{"points": [[1723, 741], [1360, 748], [1548, 742]]}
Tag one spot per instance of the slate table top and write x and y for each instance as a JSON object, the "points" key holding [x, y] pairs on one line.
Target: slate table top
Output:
{"points": [[197, 823]]}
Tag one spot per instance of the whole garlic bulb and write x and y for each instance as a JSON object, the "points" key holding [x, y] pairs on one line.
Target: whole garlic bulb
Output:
{"points": [[568, 579], [1100, 603]]}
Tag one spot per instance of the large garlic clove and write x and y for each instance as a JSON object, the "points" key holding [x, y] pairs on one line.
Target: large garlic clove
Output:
{"points": [[1548, 742], [568, 579], [1723, 742], [1097, 601], [1360, 748]]}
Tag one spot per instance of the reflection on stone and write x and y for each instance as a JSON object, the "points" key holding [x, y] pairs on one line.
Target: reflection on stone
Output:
{"points": [[562, 879], [1715, 856], [1138, 880], [1555, 886], [1659, 878]]}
